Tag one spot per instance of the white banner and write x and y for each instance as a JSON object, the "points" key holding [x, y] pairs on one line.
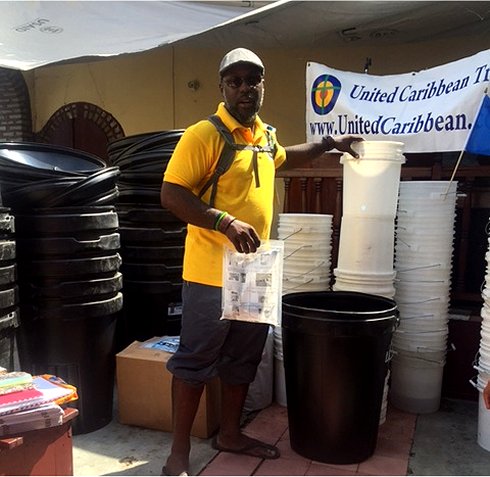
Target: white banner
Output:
{"points": [[429, 111]]}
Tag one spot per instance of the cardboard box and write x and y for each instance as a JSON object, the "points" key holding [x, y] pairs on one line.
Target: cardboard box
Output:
{"points": [[144, 392]]}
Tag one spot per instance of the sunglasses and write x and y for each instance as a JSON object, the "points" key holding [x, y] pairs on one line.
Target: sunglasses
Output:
{"points": [[236, 81]]}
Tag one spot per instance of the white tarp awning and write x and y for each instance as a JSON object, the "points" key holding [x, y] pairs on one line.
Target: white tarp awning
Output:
{"points": [[37, 33]]}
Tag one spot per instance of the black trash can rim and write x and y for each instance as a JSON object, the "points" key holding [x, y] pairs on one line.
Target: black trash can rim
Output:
{"points": [[379, 314]]}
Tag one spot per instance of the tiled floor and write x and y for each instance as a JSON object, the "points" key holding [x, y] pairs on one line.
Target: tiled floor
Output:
{"points": [[395, 439]]}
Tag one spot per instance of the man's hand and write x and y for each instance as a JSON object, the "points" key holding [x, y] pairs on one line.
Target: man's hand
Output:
{"points": [[344, 144], [243, 236]]}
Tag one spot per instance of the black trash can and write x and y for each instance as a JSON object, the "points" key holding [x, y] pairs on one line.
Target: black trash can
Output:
{"points": [[336, 353]]}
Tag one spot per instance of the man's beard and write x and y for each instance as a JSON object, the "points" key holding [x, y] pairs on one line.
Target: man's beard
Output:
{"points": [[245, 117]]}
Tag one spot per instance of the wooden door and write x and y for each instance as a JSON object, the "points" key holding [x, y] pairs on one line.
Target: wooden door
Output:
{"points": [[82, 126]]}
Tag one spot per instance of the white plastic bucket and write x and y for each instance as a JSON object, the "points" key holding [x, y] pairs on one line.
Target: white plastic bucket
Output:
{"points": [[278, 350], [419, 230], [428, 222], [304, 229], [428, 244], [296, 269], [434, 200], [304, 219], [373, 283], [295, 237], [483, 424], [423, 337], [424, 275], [419, 314], [385, 291], [296, 259], [293, 287], [415, 346], [279, 382], [405, 260], [366, 244], [431, 356], [361, 275], [370, 185], [305, 249], [415, 385], [413, 325], [427, 188], [408, 248], [384, 401]]}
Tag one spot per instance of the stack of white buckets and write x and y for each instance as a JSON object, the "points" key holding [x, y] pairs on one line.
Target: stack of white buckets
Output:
{"points": [[307, 259], [483, 364], [367, 232], [423, 254]]}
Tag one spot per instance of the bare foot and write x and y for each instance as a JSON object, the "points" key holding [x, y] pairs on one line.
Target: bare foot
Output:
{"points": [[243, 444]]}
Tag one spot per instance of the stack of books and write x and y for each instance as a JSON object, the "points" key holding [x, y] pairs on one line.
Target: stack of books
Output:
{"points": [[28, 403]]}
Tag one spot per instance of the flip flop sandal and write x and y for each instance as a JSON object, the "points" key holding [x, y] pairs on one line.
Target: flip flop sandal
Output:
{"points": [[166, 472]]}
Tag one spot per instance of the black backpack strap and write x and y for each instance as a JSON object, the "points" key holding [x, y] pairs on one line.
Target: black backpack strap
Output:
{"points": [[226, 158], [228, 155]]}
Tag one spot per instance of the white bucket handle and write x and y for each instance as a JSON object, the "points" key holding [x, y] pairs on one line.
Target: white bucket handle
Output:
{"points": [[481, 369], [437, 361], [293, 233], [419, 267], [297, 286], [428, 315], [475, 385], [297, 250], [390, 353], [483, 286], [419, 281], [438, 298], [408, 332], [487, 226]]}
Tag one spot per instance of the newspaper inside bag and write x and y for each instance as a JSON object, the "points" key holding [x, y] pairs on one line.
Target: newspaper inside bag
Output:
{"points": [[252, 284]]}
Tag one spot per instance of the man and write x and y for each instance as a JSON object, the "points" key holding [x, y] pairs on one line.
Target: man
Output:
{"points": [[242, 214]]}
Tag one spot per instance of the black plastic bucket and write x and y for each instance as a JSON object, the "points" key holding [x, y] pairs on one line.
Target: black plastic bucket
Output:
{"points": [[81, 351], [336, 351]]}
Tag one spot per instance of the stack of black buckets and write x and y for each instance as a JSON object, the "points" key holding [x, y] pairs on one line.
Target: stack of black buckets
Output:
{"points": [[9, 292], [67, 257], [152, 239]]}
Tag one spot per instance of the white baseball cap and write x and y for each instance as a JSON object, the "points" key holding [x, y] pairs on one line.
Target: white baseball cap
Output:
{"points": [[240, 55]]}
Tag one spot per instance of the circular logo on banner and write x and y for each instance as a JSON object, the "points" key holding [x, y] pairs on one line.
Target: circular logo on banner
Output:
{"points": [[324, 93]]}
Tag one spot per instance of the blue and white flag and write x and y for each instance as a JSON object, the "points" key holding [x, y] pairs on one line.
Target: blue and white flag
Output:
{"points": [[479, 139]]}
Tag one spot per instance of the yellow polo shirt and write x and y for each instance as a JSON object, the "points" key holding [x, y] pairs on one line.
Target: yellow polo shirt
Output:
{"points": [[192, 163]]}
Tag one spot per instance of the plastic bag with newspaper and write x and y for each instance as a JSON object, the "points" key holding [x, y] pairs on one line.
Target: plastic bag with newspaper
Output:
{"points": [[252, 284]]}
